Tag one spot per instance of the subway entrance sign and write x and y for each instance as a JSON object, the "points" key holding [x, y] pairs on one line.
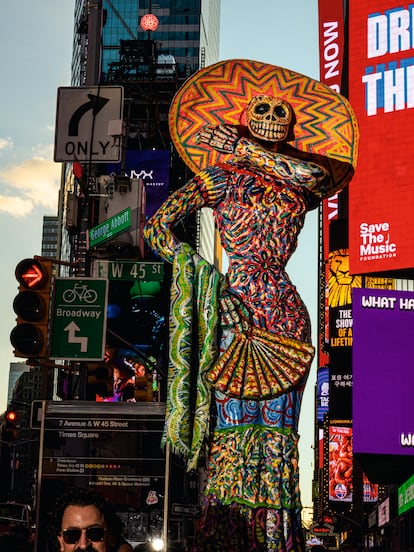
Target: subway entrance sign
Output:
{"points": [[79, 318]]}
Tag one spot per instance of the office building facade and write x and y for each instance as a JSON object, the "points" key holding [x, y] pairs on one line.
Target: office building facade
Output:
{"points": [[50, 236]]}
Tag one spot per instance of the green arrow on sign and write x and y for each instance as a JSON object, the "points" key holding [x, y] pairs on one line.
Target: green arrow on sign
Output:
{"points": [[79, 318], [72, 328]]}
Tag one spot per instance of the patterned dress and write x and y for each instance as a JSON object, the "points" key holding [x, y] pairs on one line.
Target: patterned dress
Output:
{"points": [[259, 200]]}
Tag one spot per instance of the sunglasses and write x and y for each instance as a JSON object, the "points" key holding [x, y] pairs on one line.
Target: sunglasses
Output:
{"points": [[94, 534]]}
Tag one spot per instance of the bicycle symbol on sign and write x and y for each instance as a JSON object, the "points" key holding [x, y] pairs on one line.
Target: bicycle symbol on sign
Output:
{"points": [[80, 292]]}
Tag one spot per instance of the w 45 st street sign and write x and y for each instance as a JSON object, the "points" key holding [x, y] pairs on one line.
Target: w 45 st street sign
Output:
{"points": [[79, 318]]}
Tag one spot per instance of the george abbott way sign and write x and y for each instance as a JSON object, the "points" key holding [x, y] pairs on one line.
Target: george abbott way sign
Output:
{"points": [[109, 228], [79, 318], [82, 123]]}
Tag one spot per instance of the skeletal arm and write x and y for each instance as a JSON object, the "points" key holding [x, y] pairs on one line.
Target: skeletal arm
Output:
{"points": [[204, 190], [225, 138]]}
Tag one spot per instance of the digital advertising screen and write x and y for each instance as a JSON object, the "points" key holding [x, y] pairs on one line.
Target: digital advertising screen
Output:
{"points": [[340, 464], [322, 383], [340, 384], [406, 496], [370, 490], [153, 166], [381, 91], [331, 42], [340, 285], [331, 62], [383, 378]]}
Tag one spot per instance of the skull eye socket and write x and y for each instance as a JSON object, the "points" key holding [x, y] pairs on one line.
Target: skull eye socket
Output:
{"points": [[261, 109], [280, 111]]}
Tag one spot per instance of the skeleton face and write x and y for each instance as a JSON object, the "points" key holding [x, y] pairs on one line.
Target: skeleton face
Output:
{"points": [[269, 118]]}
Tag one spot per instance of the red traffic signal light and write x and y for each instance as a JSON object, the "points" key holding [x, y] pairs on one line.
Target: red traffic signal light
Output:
{"points": [[9, 432], [33, 274], [30, 337], [11, 416]]}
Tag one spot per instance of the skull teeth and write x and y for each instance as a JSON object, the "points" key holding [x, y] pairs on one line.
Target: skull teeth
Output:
{"points": [[268, 130]]}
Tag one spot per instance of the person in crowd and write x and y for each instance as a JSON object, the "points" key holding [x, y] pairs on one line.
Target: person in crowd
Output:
{"points": [[86, 521]]}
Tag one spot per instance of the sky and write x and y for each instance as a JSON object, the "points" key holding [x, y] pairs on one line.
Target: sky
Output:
{"points": [[285, 34], [35, 49]]}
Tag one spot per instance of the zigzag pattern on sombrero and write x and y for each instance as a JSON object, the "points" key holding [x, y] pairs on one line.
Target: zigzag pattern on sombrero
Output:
{"points": [[218, 94]]}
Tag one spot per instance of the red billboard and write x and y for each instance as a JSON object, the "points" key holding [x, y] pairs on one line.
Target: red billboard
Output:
{"points": [[381, 91], [331, 42], [331, 61], [340, 464], [370, 490]]}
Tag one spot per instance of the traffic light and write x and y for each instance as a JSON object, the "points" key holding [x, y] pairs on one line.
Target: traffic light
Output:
{"points": [[30, 337], [9, 433]]}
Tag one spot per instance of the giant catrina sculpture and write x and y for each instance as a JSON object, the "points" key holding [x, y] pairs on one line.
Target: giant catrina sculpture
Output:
{"points": [[266, 144]]}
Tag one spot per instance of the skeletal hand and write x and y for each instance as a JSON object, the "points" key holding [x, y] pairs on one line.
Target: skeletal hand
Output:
{"points": [[222, 138], [234, 314]]}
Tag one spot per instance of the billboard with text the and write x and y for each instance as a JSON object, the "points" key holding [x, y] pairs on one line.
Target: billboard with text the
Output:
{"points": [[381, 91]]}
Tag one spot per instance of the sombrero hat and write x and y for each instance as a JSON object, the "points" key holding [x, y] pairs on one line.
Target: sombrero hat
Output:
{"points": [[325, 125]]}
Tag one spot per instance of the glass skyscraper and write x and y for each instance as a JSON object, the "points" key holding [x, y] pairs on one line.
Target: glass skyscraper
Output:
{"points": [[187, 30], [178, 32]]}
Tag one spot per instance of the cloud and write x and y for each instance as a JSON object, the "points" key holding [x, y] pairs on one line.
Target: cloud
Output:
{"points": [[16, 206], [43, 150], [6, 143], [33, 183]]}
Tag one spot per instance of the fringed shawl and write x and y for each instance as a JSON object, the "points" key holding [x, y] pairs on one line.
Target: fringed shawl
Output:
{"points": [[194, 300]]}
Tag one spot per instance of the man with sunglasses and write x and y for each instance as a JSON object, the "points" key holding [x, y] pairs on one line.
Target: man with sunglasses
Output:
{"points": [[85, 521]]}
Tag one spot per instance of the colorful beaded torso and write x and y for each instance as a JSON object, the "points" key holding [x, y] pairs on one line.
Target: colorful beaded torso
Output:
{"points": [[259, 220]]}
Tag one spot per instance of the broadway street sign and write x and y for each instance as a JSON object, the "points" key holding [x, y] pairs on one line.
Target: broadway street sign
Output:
{"points": [[79, 318]]}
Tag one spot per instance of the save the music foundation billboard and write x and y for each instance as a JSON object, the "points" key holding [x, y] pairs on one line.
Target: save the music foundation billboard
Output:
{"points": [[383, 382], [381, 91]]}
